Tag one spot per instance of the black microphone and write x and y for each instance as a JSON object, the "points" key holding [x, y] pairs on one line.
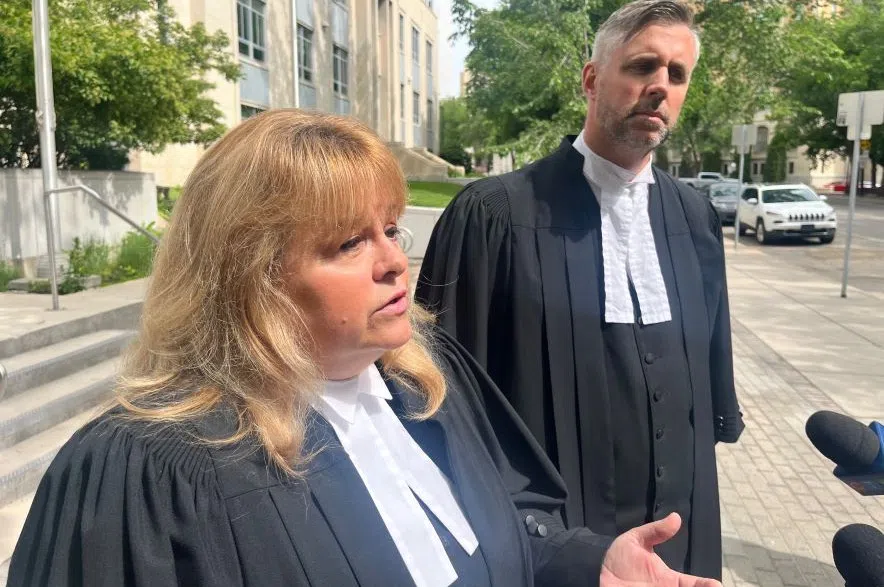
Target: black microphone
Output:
{"points": [[858, 550], [856, 449]]}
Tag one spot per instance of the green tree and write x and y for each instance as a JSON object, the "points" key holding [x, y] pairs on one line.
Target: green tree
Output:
{"points": [[827, 57], [744, 51], [454, 128], [525, 59], [775, 160], [127, 75]]}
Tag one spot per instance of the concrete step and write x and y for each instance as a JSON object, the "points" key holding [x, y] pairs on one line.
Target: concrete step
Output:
{"points": [[22, 466], [77, 321], [38, 367], [43, 407], [12, 520]]}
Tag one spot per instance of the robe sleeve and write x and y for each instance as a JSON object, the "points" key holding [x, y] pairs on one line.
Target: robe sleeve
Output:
{"points": [[561, 557], [117, 508], [728, 417], [466, 263]]}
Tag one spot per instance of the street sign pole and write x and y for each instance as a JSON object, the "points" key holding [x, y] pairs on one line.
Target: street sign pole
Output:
{"points": [[740, 149], [854, 174]]}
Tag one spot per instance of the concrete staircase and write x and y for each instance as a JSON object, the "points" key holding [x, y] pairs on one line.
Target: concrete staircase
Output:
{"points": [[56, 382], [417, 166]]}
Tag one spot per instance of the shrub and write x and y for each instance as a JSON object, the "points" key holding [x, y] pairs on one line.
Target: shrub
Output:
{"points": [[8, 272]]}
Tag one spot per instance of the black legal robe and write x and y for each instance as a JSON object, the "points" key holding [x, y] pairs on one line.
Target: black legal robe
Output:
{"points": [[123, 504], [514, 272]]}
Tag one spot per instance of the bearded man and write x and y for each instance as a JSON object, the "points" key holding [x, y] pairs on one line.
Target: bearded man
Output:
{"points": [[591, 286]]}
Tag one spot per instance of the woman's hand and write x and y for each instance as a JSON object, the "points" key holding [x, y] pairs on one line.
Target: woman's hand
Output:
{"points": [[631, 561]]}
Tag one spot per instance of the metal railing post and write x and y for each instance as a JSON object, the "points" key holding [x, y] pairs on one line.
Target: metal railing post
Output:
{"points": [[3, 377], [97, 198], [46, 123]]}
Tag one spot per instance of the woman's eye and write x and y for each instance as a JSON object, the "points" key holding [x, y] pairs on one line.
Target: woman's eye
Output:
{"points": [[351, 244], [392, 232]]}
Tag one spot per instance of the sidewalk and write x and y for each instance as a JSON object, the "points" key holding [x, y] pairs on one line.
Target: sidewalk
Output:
{"points": [[798, 348]]}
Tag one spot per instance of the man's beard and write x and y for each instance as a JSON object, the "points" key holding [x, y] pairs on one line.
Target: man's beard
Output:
{"points": [[619, 131]]}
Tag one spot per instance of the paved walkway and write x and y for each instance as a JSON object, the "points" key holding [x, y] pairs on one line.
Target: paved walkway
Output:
{"points": [[798, 347]]}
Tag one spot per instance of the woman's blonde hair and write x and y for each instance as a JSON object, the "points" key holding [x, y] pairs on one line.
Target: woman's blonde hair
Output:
{"points": [[219, 324]]}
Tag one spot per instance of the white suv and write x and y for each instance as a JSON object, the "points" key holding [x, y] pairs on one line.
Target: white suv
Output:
{"points": [[786, 210]]}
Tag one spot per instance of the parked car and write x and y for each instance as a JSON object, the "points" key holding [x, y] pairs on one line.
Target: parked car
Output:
{"points": [[723, 196], [786, 211], [835, 186], [705, 178]]}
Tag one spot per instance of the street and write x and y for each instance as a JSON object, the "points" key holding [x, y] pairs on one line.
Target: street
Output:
{"points": [[866, 270]]}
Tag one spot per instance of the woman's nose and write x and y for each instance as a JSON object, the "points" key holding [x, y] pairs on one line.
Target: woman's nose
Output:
{"points": [[392, 260]]}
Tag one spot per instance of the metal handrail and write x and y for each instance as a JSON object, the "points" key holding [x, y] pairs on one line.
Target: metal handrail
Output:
{"points": [[53, 278]]}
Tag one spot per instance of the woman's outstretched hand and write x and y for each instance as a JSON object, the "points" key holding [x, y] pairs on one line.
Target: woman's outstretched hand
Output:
{"points": [[631, 561]]}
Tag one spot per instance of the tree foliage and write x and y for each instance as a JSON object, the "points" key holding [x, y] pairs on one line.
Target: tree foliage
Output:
{"points": [[526, 57], [830, 56], [453, 118], [126, 76]]}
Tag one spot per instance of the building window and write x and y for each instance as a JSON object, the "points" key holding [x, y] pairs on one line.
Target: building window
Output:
{"points": [[305, 54], [402, 33], [761, 138], [791, 167], [429, 58], [246, 111], [430, 126], [755, 169], [402, 102], [250, 28], [339, 71], [416, 108], [415, 46]]}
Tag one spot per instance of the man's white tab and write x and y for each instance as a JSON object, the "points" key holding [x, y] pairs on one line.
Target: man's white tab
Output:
{"points": [[628, 248]]}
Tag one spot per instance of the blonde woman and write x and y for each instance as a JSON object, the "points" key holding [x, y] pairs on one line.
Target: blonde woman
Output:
{"points": [[287, 417]]}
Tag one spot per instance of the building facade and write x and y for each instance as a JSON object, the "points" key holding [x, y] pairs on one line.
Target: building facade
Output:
{"points": [[375, 60], [799, 167]]}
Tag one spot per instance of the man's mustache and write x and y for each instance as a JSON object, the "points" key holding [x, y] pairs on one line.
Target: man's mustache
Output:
{"points": [[650, 112]]}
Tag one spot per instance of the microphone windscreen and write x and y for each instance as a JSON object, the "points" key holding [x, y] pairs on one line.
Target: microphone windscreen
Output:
{"points": [[842, 439], [858, 550]]}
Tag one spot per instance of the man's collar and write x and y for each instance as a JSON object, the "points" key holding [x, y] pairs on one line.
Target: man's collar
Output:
{"points": [[604, 171], [342, 397]]}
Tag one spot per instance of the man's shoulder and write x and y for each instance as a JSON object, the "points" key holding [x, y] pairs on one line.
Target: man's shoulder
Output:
{"points": [[509, 186]]}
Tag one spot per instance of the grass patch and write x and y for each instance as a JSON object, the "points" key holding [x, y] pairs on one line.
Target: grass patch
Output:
{"points": [[433, 194], [165, 205]]}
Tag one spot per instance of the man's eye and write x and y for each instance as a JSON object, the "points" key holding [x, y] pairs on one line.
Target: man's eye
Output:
{"points": [[644, 67], [677, 75]]}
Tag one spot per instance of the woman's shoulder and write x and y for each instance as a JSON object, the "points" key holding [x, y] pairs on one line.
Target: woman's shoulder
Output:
{"points": [[116, 438], [187, 451]]}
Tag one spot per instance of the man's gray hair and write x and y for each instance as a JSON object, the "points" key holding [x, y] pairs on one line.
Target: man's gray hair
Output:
{"points": [[631, 19]]}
